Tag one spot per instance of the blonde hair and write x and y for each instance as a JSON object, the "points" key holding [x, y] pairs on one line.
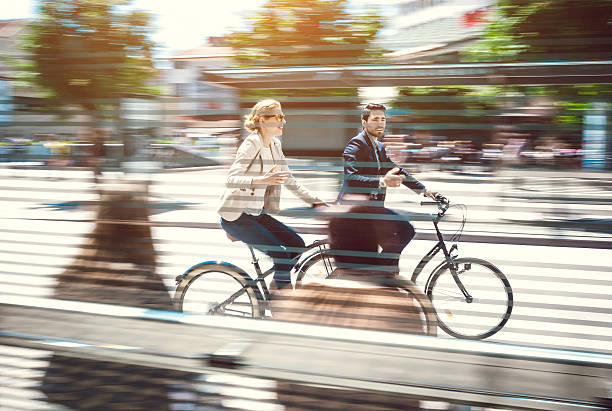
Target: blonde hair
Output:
{"points": [[259, 110]]}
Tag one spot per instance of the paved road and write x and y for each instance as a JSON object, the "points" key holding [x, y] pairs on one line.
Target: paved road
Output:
{"points": [[494, 375], [560, 273]]}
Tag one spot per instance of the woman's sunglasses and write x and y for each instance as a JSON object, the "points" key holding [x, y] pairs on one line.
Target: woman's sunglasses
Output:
{"points": [[278, 117]]}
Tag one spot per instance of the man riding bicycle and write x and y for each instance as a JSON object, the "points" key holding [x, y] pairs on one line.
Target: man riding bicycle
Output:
{"points": [[368, 171]]}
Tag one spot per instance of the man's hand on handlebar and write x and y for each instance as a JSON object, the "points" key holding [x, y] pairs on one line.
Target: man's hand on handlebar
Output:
{"points": [[431, 194]]}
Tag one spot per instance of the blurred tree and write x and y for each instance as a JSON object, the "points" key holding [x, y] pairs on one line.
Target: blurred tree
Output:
{"points": [[89, 53], [453, 113], [308, 32], [553, 30], [547, 30]]}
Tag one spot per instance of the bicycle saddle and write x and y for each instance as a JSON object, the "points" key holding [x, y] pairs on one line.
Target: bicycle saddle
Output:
{"points": [[231, 238]]}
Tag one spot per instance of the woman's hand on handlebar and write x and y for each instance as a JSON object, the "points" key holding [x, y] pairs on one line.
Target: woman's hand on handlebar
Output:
{"points": [[272, 177], [320, 205]]}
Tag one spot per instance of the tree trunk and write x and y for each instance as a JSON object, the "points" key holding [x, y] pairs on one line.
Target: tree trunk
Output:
{"points": [[117, 264]]}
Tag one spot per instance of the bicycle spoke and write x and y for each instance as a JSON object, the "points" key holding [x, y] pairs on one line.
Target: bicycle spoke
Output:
{"points": [[485, 313], [317, 268], [241, 313], [220, 291], [452, 295]]}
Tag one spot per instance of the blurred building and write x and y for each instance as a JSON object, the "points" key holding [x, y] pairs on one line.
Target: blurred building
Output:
{"points": [[7, 30], [198, 99], [428, 31], [202, 112]]}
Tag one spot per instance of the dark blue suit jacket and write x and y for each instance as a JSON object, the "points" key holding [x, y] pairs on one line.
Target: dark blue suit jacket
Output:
{"points": [[362, 172]]}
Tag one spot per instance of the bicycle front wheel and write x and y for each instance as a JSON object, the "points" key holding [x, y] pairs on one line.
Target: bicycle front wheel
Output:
{"points": [[219, 289], [480, 316]]}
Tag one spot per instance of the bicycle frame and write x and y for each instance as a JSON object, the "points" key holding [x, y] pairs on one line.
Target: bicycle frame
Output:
{"points": [[448, 259], [259, 280]]}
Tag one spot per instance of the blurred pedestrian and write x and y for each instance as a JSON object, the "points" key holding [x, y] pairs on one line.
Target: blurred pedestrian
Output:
{"points": [[360, 293], [253, 191], [116, 266], [368, 171], [98, 153]]}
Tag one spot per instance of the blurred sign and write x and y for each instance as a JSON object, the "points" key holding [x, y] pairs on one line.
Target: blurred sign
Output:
{"points": [[595, 138], [6, 102], [475, 18]]}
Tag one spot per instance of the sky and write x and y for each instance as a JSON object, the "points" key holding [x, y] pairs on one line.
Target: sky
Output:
{"points": [[182, 24]]}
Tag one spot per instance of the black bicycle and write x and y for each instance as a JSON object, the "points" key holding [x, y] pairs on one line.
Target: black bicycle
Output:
{"points": [[471, 297], [222, 288]]}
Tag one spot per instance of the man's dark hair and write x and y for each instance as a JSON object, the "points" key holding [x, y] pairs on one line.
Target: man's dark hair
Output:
{"points": [[365, 112]]}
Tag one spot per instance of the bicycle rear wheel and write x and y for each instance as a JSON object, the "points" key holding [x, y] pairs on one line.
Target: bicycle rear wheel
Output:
{"points": [[481, 317], [320, 265], [425, 310], [316, 268], [219, 289]]}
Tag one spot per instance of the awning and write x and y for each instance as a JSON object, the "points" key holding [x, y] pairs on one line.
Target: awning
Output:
{"points": [[460, 74]]}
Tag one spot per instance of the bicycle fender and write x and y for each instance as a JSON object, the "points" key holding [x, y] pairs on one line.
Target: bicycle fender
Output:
{"points": [[435, 270], [216, 262], [225, 264], [228, 266]]}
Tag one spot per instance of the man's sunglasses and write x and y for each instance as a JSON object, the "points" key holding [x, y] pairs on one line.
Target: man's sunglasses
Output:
{"points": [[278, 117]]}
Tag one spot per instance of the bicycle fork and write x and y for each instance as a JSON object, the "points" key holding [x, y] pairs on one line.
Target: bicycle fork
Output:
{"points": [[454, 269]]}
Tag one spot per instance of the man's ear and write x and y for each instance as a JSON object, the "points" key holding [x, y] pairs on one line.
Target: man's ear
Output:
{"points": [[363, 123]]}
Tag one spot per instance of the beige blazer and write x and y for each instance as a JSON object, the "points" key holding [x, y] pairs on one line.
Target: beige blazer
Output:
{"points": [[248, 164]]}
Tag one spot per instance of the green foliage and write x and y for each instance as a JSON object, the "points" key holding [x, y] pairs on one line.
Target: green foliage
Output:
{"points": [[308, 32], [454, 112], [447, 104], [89, 53], [552, 30], [546, 30]]}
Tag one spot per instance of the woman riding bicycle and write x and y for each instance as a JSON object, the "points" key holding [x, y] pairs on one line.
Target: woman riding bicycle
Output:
{"points": [[253, 190]]}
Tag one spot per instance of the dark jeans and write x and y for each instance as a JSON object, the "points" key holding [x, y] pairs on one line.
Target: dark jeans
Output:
{"points": [[392, 231], [395, 233], [272, 237]]}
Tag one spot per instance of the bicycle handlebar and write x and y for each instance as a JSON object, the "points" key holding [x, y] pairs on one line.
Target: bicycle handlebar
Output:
{"points": [[442, 202]]}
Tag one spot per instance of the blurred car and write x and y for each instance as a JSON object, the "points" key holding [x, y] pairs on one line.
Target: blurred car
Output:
{"points": [[551, 156], [425, 153]]}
